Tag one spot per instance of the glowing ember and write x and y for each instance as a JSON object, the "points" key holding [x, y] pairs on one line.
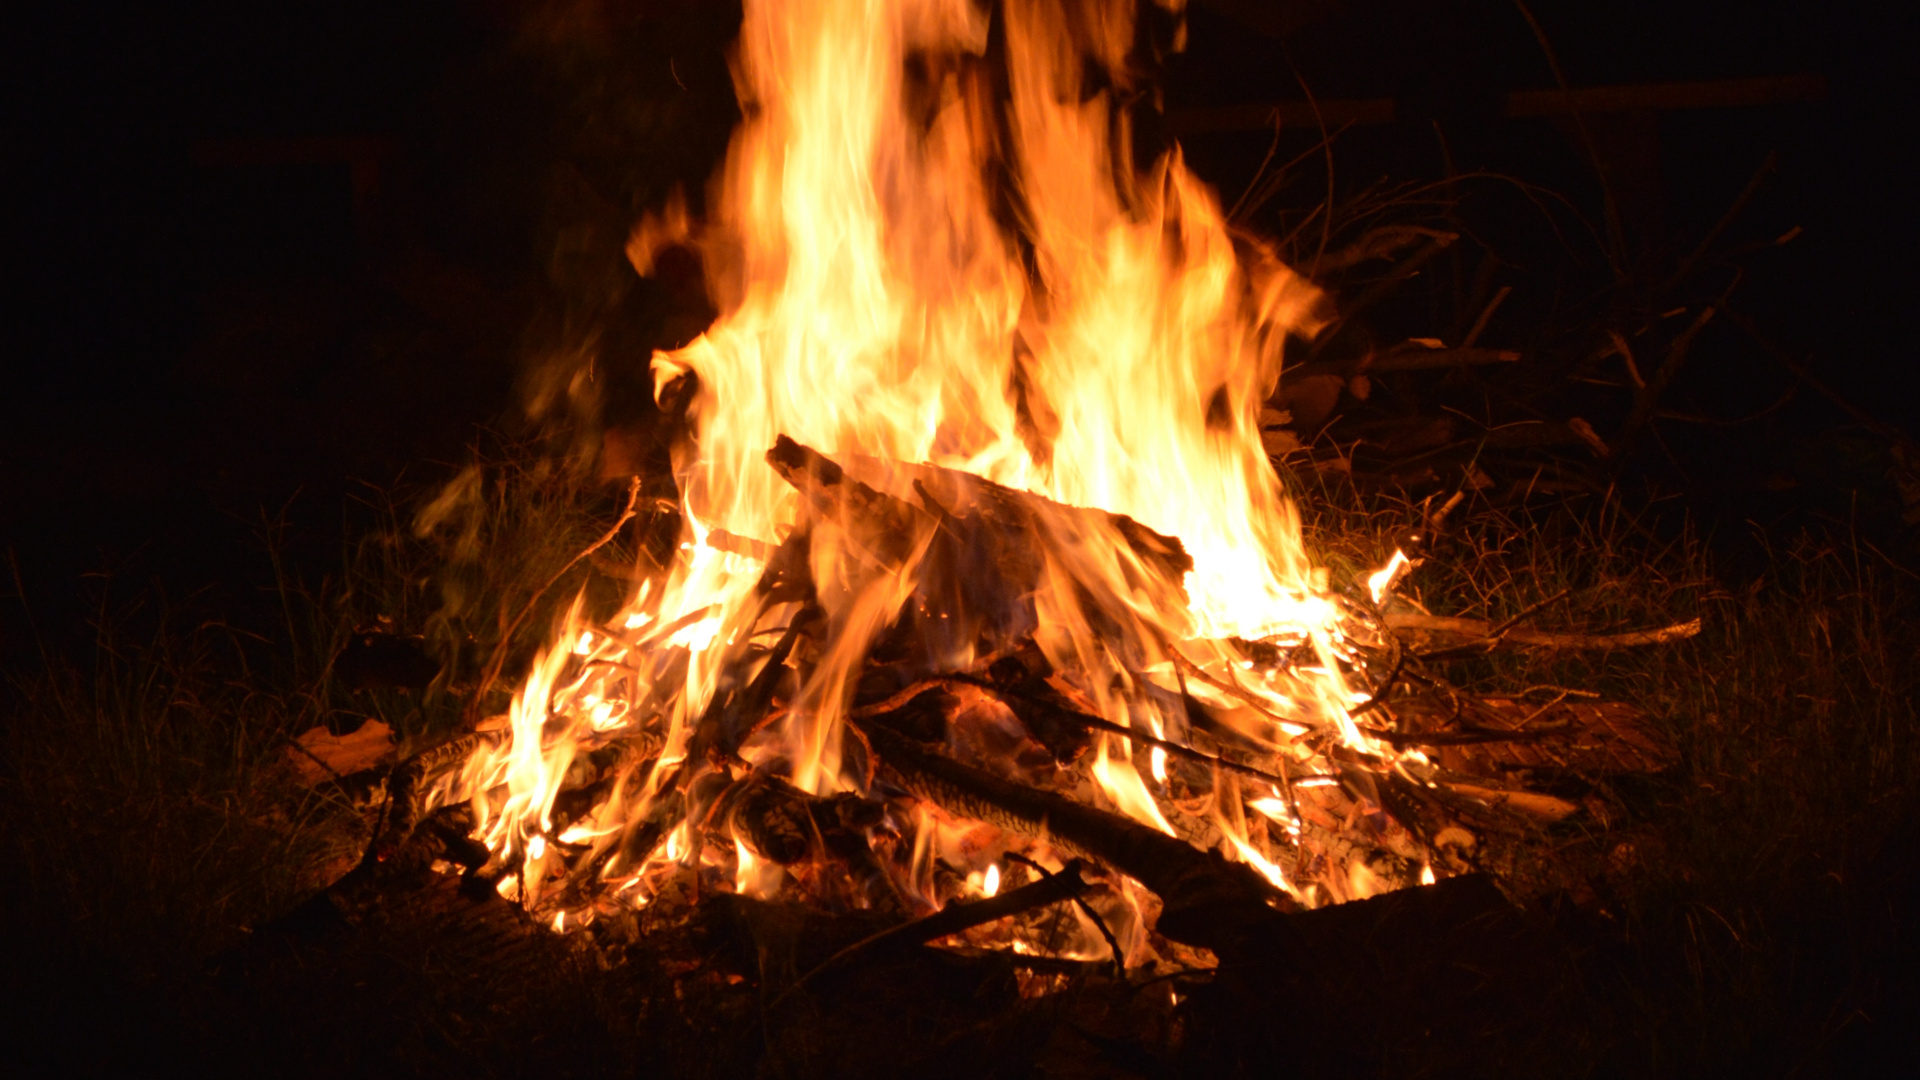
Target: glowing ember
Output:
{"points": [[939, 269]]}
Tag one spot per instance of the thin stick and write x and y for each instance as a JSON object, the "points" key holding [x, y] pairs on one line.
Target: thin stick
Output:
{"points": [[1103, 724], [1787, 360], [1486, 313], [1649, 397], [1767, 168], [953, 919], [1113, 943], [1233, 690], [1615, 233], [499, 657], [1501, 630], [1386, 685], [1483, 630]]}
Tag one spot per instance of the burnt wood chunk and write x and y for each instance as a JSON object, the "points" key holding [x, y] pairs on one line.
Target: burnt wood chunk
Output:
{"points": [[1209, 901], [987, 547]]}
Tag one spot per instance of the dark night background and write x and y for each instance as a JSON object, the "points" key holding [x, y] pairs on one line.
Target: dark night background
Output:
{"points": [[210, 314], [264, 262]]}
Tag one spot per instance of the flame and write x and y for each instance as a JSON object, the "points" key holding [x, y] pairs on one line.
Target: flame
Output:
{"points": [[753, 876], [1123, 785], [1381, 581], [931, 246]]}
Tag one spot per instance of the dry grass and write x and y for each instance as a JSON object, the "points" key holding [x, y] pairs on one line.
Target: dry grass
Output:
{"points": [[150, 822], [146, 808], [1743, 910]]}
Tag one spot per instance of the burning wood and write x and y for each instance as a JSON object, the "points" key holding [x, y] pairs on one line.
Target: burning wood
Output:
{"points": [[983, 558]]}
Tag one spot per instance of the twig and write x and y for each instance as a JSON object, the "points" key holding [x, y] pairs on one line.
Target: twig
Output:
{"points": [[1486, 314], [20, 593], [1113, 943], [1501, 630], [1714, 421], [1233, 690], [665, 630], [1073, 716], [1766, 169], [1861, 416], [1454, 738], [1648, 398], [499, 657], [1260, 173], [1483, 630], [1386, 685], [954, 918], [1614, 231], [1429, 359], [1530, 803], [1207, 900], [1401, 271]]}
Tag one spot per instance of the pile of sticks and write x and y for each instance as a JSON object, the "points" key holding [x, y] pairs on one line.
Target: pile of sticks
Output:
{"points": [[914, 737]]}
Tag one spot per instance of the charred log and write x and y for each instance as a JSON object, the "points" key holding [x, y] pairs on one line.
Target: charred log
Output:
{"points": [[1208, 901]]}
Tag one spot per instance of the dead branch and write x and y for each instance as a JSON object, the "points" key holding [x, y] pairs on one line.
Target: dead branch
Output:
{"points": [[499, 657], [1208, 901], [1483, 632], [1531, 804], [1020, 702], [953, 919], [1647, 399]]}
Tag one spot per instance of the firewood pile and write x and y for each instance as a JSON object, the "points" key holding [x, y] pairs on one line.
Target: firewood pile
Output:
{"points": [[891, 723], [978, 820], [866, 917]]}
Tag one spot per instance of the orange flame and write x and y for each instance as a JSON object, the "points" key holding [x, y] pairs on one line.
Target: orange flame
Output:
{"points": [[931, 246]]}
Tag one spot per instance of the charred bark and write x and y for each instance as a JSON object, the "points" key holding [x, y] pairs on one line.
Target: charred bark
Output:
{"points": [[1209, 901]]}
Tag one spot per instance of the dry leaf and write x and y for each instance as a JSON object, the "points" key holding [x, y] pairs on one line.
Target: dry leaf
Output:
{"points": [[321, 755], [1279, 441]]}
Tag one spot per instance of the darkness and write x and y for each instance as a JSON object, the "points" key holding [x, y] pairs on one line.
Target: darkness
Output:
{"points": [[212, 317]]}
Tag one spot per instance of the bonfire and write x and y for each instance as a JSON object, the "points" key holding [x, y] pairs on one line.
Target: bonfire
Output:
{"points": [[988, 601]]}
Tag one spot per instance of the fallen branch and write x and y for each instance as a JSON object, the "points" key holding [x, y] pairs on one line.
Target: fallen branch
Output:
{"points": [[1017, 701], [1530, 804], [1484, 632], [1068, 884], [1208, 900], [499, 657]]}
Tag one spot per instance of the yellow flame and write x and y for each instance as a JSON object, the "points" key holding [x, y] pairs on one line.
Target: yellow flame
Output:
{"points": [[1381, 581], [1109, 348], [753, 876], [1123, 785]]}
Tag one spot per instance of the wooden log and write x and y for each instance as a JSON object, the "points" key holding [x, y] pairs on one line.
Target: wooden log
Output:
{"points": [[986, 546], [1209, 901], [955, 918]]}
